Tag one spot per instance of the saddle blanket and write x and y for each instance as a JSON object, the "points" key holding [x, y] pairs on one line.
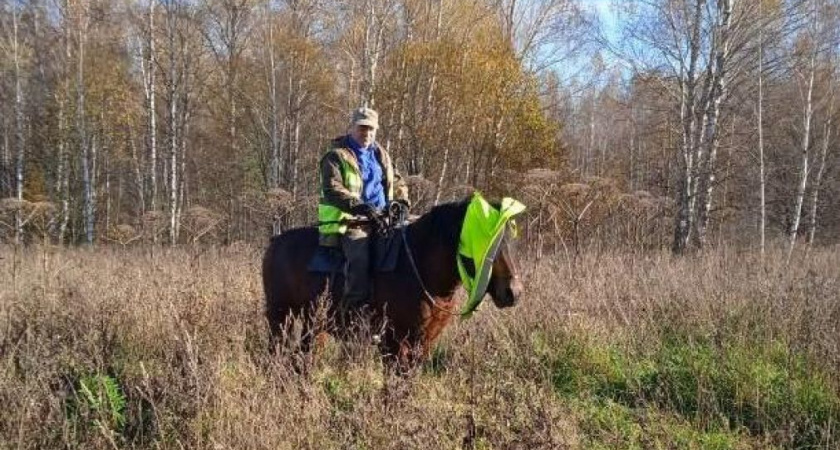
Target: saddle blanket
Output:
{"points": [[385, 252]]}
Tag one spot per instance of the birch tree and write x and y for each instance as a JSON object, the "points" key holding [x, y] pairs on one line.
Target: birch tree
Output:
{"points": [[172, 92], [87, 149], [672, 37], [181, 54], [149, 67], [689, 47], [815, 189], [717, 75], [805, 75], [762, 225], [20, 144], [702, 48], [825, 144], [63, 97]]}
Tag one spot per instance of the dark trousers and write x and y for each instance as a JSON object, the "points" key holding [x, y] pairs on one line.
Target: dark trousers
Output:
{"points": [[355, 244]]}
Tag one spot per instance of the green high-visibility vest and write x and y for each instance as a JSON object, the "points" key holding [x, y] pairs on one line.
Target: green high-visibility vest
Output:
{"points": [[329, 216]]}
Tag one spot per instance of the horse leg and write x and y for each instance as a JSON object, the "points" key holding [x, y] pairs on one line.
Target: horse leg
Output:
{"points": [[431, 332]]}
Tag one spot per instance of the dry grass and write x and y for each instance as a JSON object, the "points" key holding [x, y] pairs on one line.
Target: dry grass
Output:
{"points": [[593, 358]]}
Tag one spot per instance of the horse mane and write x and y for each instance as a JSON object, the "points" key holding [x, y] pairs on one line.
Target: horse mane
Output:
{"points": [[442, 223]]}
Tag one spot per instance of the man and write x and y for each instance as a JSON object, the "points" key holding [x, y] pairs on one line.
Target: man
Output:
{"points": [[357, 179]]}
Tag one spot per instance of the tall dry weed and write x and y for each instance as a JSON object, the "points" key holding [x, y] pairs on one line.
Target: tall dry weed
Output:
{"points": [[183, 335]]}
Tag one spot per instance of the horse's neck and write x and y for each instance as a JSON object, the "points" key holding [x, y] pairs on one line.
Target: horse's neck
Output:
{"points": [[435, 255]]}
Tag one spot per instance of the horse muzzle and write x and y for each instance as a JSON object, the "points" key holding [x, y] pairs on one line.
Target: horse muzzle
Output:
{"points": [[515, 290], [506, 294]]}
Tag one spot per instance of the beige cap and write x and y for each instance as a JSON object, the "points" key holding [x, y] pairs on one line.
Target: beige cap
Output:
{"points": [[365, 116]]}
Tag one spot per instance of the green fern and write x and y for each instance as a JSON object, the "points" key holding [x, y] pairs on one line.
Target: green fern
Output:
{"points": [[104, 397]]}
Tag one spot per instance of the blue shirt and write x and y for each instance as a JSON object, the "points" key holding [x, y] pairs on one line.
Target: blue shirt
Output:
{"points": [[373, 191]]}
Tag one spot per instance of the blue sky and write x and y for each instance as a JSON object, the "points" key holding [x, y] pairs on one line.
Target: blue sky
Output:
{"points": [[608, 17], [576, 66]]}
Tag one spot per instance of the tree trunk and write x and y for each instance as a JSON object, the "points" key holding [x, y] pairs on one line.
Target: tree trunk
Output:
{"points": [[371, 50], [428, 109], [136, 167], [705, 102], [684, 218], [172, 98], [180, 76], [815, 190], [173, 193], [6, 189], [631, 175], [182, 184], [81, 125], [152, 111], [295, 150], [803, 150], [351, 82], [415, 163], [403, 93], [64, 141], [471, 146], [274, 164], [761, 175], [712, 139], [20, 145], [590, 145], [294, 106], [107, 193], [445, 163], [62, 172]]}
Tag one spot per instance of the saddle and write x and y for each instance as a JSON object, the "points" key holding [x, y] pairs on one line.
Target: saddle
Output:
{"points": [[385, 250]]}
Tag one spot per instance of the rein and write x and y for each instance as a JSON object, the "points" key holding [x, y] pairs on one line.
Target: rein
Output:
{"points": [[428, 297]]}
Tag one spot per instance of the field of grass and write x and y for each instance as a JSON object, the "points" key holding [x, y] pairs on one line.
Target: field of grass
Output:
{"points": [[155, 348]]}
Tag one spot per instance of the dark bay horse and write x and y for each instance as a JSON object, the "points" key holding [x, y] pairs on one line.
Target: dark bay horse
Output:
{"points": [[413, 321]]}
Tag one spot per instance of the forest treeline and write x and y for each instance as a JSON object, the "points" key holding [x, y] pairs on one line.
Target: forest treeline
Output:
{"points": [[667, 123]]}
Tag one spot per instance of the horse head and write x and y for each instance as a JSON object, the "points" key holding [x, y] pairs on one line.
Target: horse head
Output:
{"points": [[505, 286]]}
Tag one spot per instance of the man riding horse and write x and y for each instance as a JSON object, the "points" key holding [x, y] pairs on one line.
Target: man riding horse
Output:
{"points": [[357, 179], [460, 243]]}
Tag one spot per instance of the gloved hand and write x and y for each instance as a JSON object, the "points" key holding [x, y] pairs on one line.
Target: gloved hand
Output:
{"points": [[398, 211], [370, 212], [364, 210]]}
